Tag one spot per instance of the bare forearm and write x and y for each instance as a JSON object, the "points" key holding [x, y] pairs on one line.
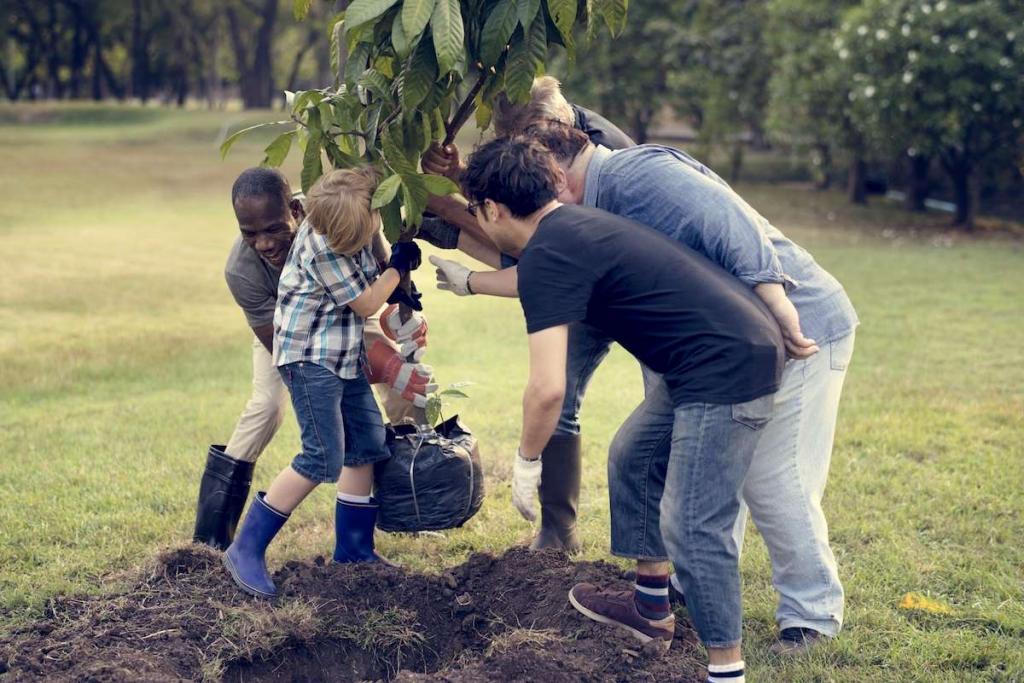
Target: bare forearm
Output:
{"points": [[482, 250], [541, 408], [370, 301], [452, 208], [771, 293], [503, 282], [265, 333]]}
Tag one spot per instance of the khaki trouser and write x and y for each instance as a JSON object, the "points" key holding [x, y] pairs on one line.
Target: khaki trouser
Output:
{"points": [[263, 413]]}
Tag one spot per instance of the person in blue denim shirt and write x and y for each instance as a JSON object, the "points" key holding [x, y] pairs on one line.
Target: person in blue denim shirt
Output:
{"points": [[675, 194], [331, 282]]}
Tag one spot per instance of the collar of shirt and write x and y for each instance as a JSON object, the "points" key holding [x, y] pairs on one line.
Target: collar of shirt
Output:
{"points": [[591, 182]]}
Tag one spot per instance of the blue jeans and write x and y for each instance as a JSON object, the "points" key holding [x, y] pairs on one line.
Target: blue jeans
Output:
{"points": [[785, 486], [588, 346], [685, 509], [338, 419]]}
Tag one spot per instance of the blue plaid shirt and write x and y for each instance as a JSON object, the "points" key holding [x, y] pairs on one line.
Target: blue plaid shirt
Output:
{"points": [[313, 321]]}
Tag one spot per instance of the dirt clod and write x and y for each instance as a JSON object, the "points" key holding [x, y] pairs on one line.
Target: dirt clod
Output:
{"points": [[492, 618]]}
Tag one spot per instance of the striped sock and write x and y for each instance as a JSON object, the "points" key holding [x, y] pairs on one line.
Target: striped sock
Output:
{"points": [[651, 596], [726, 673]]}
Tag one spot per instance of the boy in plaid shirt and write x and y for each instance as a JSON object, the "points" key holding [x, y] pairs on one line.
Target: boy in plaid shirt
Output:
{"points": [[330, 283]]}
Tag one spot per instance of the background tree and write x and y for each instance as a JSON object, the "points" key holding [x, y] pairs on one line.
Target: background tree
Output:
{"points": [[634, 85], [942, 79]]}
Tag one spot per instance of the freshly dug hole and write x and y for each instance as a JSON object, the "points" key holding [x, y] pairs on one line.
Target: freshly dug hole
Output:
{"points": [[504, 618]]}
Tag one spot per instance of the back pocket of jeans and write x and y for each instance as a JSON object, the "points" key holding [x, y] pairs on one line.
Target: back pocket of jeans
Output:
{"points": [[754, 414]]}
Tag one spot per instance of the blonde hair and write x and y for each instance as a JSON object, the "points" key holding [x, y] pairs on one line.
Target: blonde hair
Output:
{"points": [[546, 104], [338, 207]]}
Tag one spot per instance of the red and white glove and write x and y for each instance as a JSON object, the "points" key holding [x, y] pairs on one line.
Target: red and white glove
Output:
{"points": [[411, 380], [411, 336]]}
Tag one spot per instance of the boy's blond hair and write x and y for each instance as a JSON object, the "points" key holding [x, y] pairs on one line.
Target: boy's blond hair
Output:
{"points": [[338, 207], [547, 103]]}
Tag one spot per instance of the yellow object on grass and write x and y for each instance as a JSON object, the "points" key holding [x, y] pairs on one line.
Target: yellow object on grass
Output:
{"points": [[918, 602]]}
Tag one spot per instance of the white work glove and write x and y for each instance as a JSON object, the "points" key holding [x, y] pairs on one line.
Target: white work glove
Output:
{"points": [[525, 481], [452, 276], [411, 336]]}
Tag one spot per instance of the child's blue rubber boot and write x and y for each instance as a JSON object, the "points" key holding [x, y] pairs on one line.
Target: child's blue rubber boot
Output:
{"points": [[353, 526], [245, 557]]}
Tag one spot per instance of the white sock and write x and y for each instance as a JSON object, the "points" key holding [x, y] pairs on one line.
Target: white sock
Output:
{"points": [[349, 498], [726, 673]]}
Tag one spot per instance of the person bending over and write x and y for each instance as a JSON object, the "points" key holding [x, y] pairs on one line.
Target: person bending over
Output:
{"points": [[715, 356]]}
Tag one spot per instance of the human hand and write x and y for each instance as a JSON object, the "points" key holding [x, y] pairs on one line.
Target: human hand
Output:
{"points": [[384, 365], [782, 309], [411, 336], [452, 276], [442, 160], [525, 482], [405, 257]]}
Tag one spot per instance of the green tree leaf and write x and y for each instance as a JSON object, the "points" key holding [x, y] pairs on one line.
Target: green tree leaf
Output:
{"points": [[614, 14], [526, 10], [300, 8], [356, 63], [391, 217], [312, 163], [378, 84], [276, 152], [362, 11], [497, 31], [393, 154], [238, 135], [386, 191], [439, 185], [519, 69], [399, 40], [446, 25], [415, 15], [563, 14], [414, 196], [419, 77]]}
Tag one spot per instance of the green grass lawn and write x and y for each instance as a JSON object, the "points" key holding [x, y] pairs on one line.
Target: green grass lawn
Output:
{"points": [[122, 356]]}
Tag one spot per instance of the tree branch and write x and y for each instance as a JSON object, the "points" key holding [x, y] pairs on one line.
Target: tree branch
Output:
{"points": [[465, 109]]}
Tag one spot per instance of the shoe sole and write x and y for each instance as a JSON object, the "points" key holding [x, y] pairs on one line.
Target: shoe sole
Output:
{"points": [[245, 588], [663, 644]]}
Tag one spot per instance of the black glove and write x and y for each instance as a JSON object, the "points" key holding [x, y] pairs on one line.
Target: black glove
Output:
{"points": [[405, 257], [439, 232], [410, 299]]}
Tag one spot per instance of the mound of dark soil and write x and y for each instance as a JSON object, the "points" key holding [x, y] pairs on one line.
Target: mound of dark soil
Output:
{"points": [[504, 618]]}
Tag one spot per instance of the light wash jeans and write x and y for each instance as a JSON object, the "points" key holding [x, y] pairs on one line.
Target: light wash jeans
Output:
{"points": [[691, 501], [784, 487]]}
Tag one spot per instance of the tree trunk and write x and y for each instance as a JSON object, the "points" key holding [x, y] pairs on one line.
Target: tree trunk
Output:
{"points": [[257, 76], [918, 185], [140, 57], [736, 161], [855, 185], [824, 180], [966, 193], [641, 123], [53, 61]]}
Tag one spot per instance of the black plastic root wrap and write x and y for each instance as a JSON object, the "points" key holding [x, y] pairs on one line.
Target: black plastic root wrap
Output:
{"points": [[433, 479]]}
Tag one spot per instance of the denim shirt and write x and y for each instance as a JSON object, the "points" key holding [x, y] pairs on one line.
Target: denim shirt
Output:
{"points": [[672, 192]]}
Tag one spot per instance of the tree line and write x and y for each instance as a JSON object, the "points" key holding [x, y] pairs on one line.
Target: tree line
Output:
{"points": [[929, 91]]}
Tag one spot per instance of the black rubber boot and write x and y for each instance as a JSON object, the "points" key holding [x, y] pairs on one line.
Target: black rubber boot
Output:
{"points": [[559, 494], [222, 495]]}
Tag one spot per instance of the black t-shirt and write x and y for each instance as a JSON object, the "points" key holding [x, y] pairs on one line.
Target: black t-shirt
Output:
{"points": [[600, 130], [676, 311]]}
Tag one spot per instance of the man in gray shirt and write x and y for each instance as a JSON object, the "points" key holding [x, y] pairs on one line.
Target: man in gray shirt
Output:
{"points": [[268, 216]]}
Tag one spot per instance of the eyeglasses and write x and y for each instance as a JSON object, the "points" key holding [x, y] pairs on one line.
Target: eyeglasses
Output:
{"points": [[472, 207]]}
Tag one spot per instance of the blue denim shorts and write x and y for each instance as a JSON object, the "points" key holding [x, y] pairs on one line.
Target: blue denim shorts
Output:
{"points": [[338, 419]]}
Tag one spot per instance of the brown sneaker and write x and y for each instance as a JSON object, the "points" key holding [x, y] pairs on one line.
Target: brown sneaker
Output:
{"points": [[618, 609]]}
